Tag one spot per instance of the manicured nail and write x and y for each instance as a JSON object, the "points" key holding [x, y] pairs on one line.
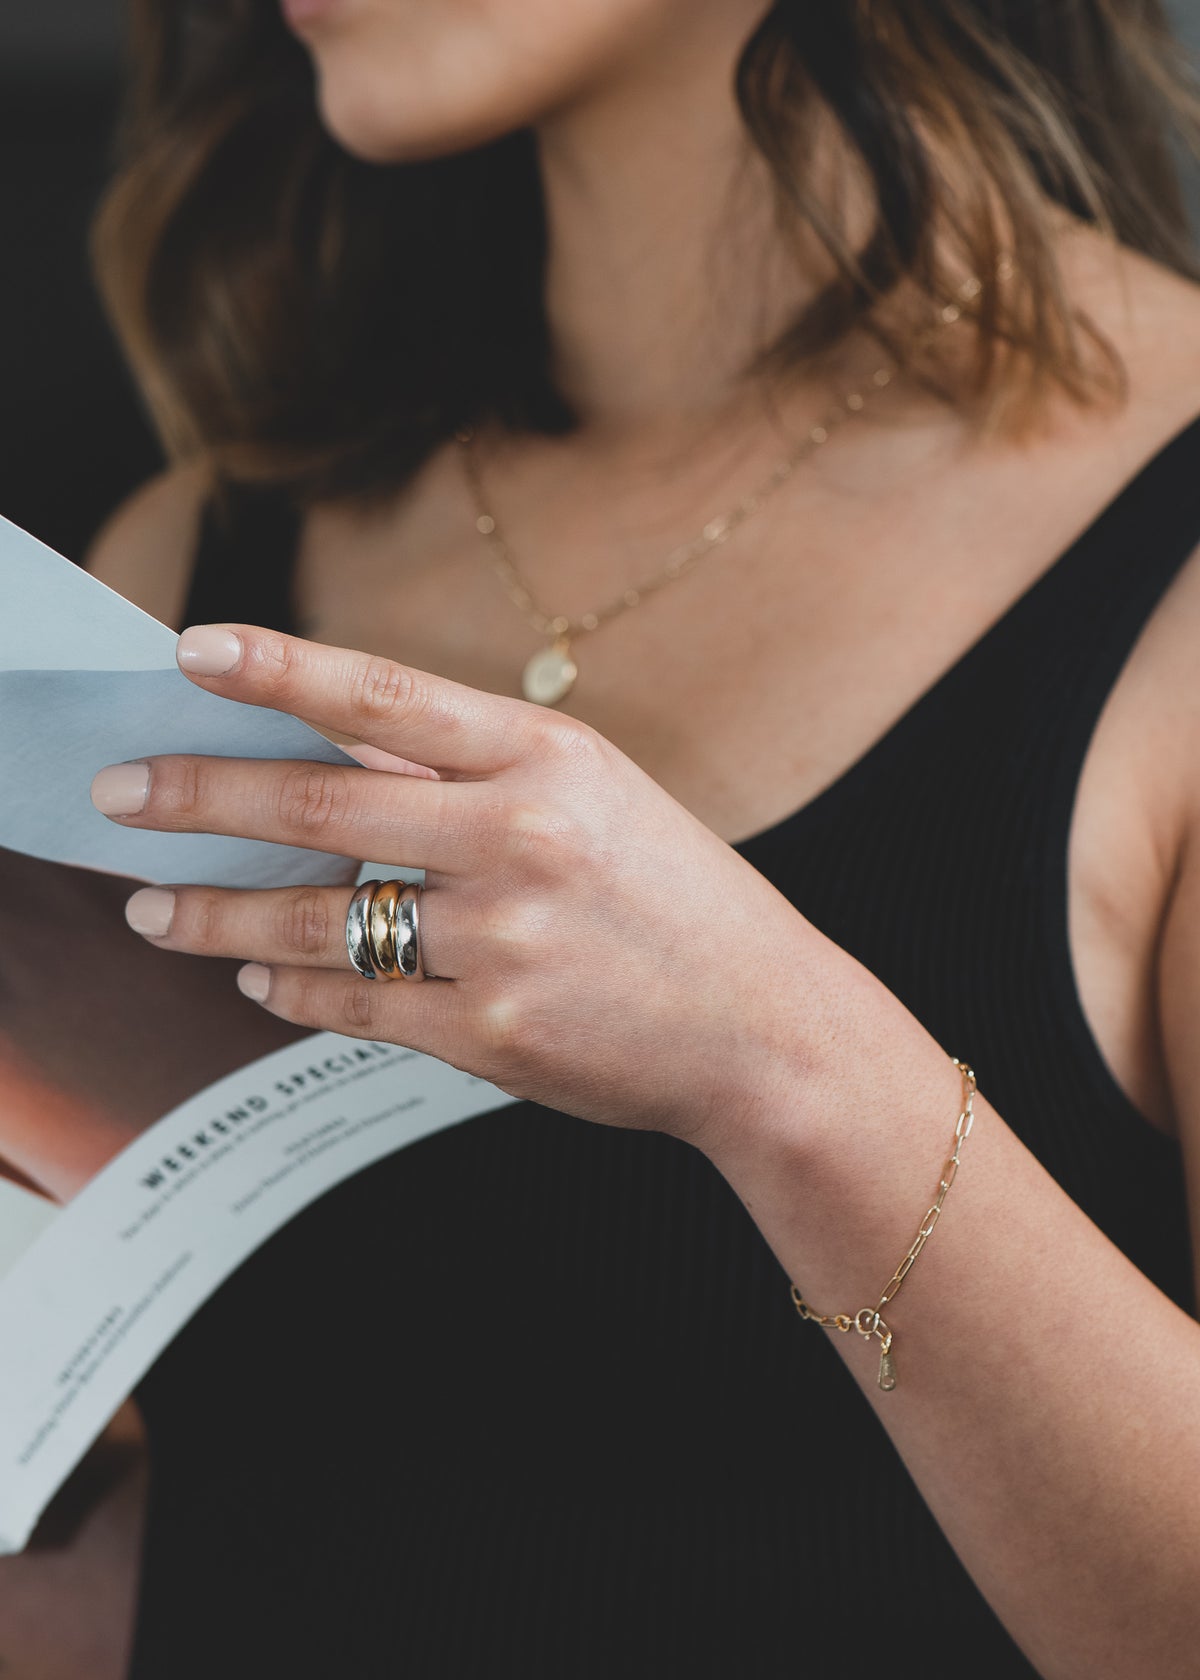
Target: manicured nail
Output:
{"points": [[121, 789], [254, 981], [150, 910], [207, 651]]}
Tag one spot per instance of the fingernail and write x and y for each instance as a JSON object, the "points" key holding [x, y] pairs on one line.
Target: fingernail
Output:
{"points": [[254, 981], [120, 790], [207, 651], [150, 910]]}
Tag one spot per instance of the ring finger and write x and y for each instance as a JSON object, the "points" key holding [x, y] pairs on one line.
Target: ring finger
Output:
{"points": [[292, 926]]}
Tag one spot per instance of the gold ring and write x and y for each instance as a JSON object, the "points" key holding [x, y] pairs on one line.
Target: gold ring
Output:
{"points": [[381, 929]]}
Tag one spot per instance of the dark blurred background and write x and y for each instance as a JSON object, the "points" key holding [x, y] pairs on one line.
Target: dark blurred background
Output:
{"points": [[73, 439]]}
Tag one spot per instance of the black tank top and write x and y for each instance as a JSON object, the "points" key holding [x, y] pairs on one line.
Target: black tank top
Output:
{"points": [[530, 1397]]}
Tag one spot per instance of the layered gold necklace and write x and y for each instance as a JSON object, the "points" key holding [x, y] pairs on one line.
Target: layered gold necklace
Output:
{"points": [[550, 674]]}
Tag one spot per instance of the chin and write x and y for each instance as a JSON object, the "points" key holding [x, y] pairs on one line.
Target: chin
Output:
{"points": [[380, 122], [401, 80]]}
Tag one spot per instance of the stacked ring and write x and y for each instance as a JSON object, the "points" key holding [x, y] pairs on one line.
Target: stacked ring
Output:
{"points": [[357, 932], [381, 928], [408, 941], [383, 935]]}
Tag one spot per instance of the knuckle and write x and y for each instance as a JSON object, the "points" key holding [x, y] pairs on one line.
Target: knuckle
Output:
{"points": [[516, 928], [499, 1026], [308, 998], [553, 840], [359, 1005], [178, 791], [511, 1030], [202, 919], [275, 659], [571, 742], [304, 922], [311, 796], [379, 688]]}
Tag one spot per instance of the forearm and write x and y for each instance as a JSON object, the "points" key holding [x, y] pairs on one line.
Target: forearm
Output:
{"points": [[1046, 1395]]}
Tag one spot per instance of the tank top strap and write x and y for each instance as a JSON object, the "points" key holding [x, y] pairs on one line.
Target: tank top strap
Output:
{"points": [[1026, 702], [1020, 703], [1055, 656], [1020, 706], [1111, 584], [244, 561], [964, 808]]}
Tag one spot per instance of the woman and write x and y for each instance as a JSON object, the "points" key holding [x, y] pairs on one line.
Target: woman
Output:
{"points": [[897, 300]]}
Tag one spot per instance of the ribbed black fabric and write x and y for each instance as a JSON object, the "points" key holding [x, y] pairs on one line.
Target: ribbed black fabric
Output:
{"points": [[531, 1398], [244, 561]]}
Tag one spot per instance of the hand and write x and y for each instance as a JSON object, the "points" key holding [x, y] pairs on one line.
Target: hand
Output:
{"points": [[595, 947]]}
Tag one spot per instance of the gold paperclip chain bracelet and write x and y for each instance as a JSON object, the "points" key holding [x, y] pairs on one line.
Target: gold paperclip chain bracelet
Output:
{"points": [[866, 1320]]}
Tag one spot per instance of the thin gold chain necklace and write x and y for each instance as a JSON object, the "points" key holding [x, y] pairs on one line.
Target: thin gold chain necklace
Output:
{"points": [[550, 674]]}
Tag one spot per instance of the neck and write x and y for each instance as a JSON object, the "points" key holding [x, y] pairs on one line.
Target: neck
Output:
{"points": [[666, 273]]}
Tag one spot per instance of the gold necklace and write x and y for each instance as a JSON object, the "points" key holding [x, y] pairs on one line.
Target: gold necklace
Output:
{"points": [[550, 674]]}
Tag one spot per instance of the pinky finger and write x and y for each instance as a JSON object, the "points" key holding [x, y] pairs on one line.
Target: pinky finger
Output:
{"points": [[426, 1016]]}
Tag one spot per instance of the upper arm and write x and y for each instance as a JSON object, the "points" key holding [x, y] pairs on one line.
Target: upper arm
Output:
{"points": [[146, 548]]}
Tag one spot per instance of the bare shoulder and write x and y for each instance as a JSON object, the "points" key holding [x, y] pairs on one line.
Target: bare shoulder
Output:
{"points": [[145, 549], [1149, 313]]}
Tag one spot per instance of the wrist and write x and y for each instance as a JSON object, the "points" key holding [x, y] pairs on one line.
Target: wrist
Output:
{"points": [[793, 1039], [846, 1095]]}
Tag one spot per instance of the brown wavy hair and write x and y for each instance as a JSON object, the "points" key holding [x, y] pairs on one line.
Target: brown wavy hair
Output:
{"points": [[299, 316]]}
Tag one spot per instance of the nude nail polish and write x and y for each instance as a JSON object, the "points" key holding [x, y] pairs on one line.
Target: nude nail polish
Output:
{"points": [[120, 790], [149, 912], [254, 981], [207, 651]]}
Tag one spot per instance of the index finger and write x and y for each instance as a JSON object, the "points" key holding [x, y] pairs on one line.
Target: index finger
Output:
{"points": [[413, 714]]}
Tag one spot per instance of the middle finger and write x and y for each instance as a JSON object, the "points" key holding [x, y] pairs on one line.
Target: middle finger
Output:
{"points": [[354, 813]]}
